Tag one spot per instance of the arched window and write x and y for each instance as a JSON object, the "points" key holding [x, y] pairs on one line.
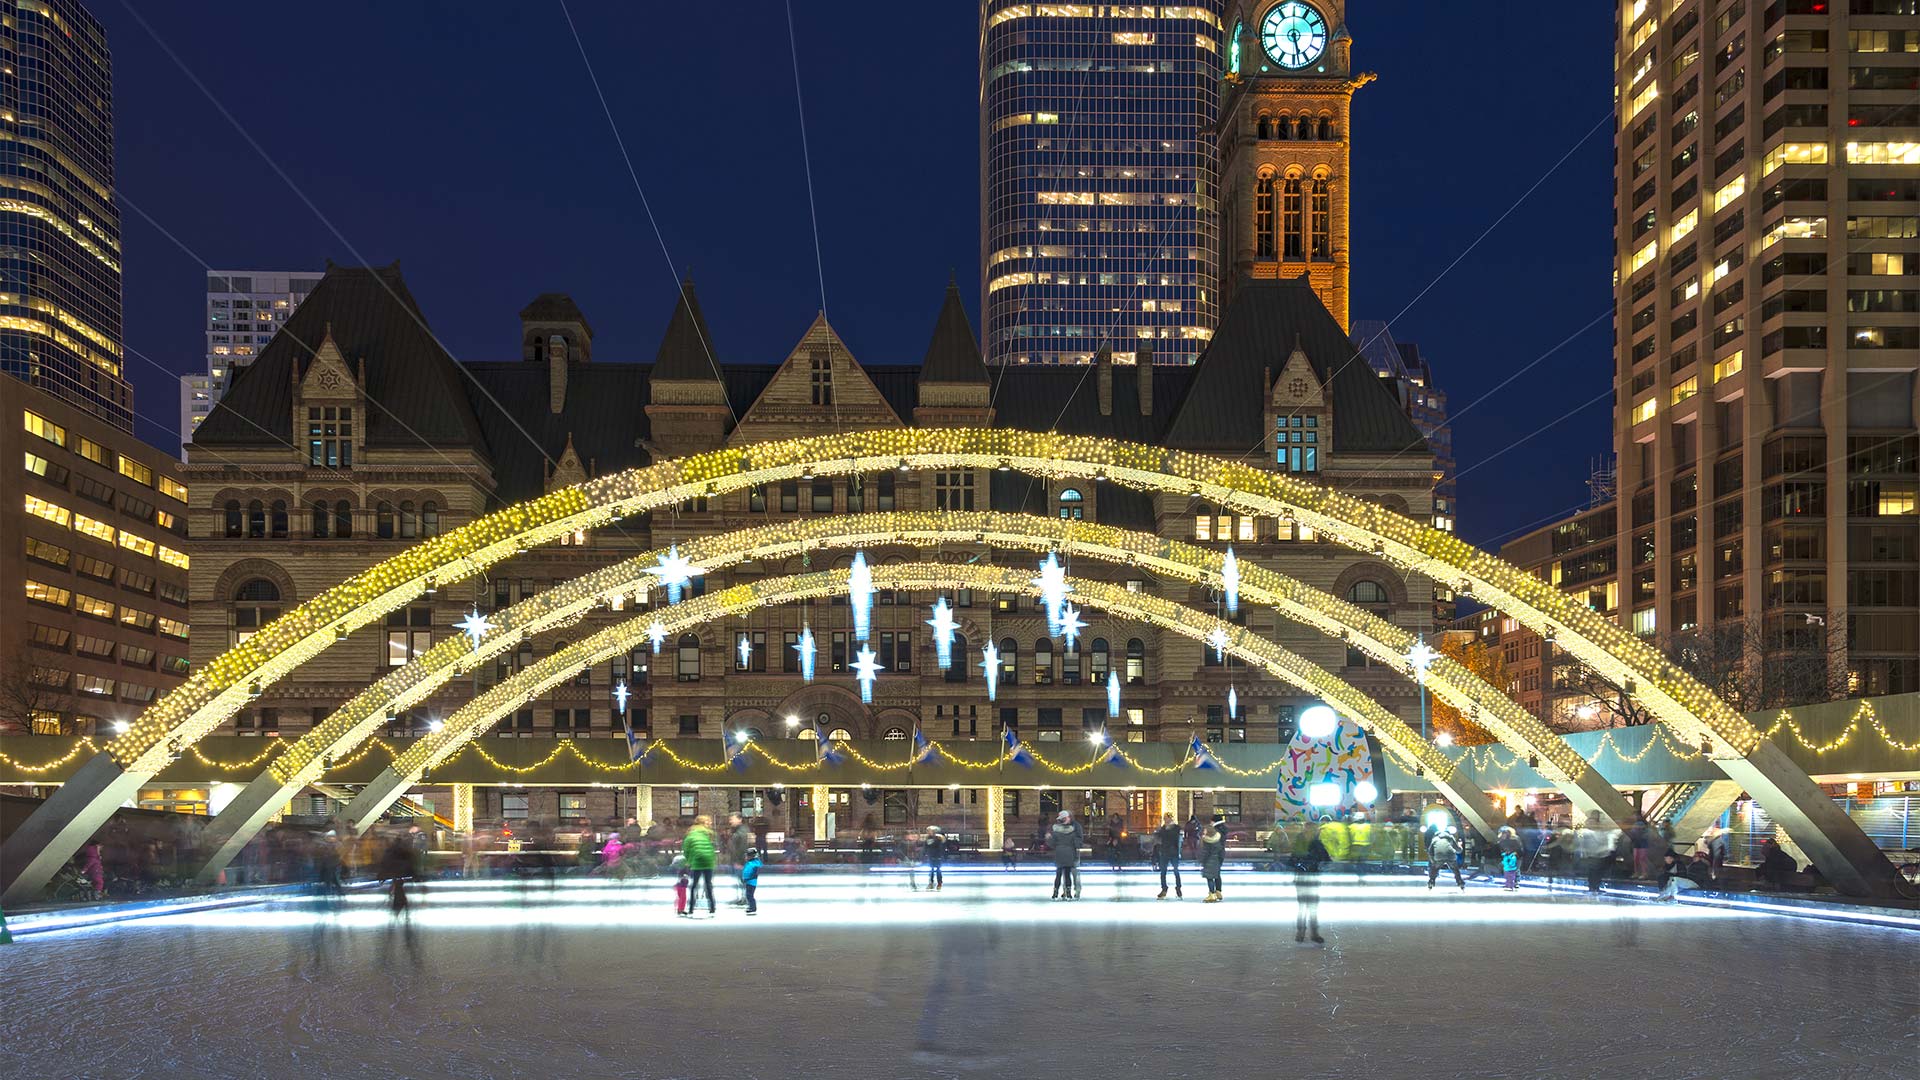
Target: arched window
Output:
{"points": [[1136, 674], [1322, 210], [841, 734], [1326, 128], [383, 520], [959, 662], [409, 524], [1263, 216], [1292, 223], [1280, 128], [894, 734], [255, 604], [279, 519], [1009, 661], [256, 520], [688, 661], [1100, 664], [1306, 128], [1266, 126], [1070, 661], [234, 527], [1374, 597], [1072, 506], [342, 519], [429, 518], [322, 519], [1043, 662]]}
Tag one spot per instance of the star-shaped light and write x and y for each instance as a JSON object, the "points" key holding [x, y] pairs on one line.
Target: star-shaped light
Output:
{"points": [[805, 648], [1113, 694], [1217, 640], [656, 633], [860, 595], [746, 653], [1052, 583], [675, 571], [620, 696], [1230, 581], [866, 666], [475, 626], [990, 663], [1071, 624], [1421, 656], [943, 629]]}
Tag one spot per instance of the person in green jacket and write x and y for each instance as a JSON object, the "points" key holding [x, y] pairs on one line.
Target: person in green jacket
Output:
{"points": [[698, 847]]}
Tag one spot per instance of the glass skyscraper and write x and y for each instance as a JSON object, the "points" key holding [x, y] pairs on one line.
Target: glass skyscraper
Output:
{"points": [[1098, 224], [59, 230]]}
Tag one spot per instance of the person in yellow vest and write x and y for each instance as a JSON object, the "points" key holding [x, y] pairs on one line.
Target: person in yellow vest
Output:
{"points": [[1361, 840], [1337, 839]]}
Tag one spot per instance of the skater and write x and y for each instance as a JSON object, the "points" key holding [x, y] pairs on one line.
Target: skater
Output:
{"points": [[1306, 887], [1509, 845], [1213, 852], [750, 879], [1065, 840], [1009, 857], [1676, 877], [936, 850], [680, 886], [93, 868], [699, 850], [1441, 851], [739, 840], [1166, 854]]}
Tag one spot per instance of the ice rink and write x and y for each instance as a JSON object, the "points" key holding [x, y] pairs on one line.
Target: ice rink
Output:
{"points": [[861, 973]]}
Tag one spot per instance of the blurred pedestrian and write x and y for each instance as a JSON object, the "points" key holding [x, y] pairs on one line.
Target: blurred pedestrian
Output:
{"points": [[1509, 845], [1718, 842], [1640, 836], [1306, 887], [1213, 854], [680, 905], [1443, 850], [936, 850], [613, 856], [1675, 877], [750, 879], [1009, 857], [739, 842], [699, 849], [1065, 840], [94, 867], [1166, 854]]}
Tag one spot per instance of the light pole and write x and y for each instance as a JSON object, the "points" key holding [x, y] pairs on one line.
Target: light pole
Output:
{"points": [[1421, 656]]}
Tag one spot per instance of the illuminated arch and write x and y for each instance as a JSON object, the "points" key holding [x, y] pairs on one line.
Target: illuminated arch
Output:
{"points": [[222, 686], [405, 687], [479, 715]]}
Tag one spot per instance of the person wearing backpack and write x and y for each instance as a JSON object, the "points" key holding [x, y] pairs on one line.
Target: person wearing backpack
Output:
{"points": [[1444, 849]]}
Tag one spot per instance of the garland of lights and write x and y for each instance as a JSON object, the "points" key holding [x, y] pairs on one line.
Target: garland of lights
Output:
{"points": [[222, 685]]}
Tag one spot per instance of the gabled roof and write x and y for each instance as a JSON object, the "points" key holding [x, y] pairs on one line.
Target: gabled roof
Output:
{"points": [[1221, 410], [421, 395], [686, 350], [953, 356]]}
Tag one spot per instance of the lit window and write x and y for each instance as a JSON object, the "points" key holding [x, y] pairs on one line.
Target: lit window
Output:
{"points": [[1684, 226], [1734, 189], [99, 530], [135, 471], [41, 508], [1645, 410], [1644, 256], [138, 544], [173, 488], [46, 429], [91, 450], [1643, 99], [1881, 153], [1729, 366], [1683, 391], [1796, 154], [41, 592], [1202, 526]]}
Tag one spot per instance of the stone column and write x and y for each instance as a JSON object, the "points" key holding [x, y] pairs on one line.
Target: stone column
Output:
{"points": [[996, 819], [462, 815], [819, 799], [1169, 804], [643, 805]]}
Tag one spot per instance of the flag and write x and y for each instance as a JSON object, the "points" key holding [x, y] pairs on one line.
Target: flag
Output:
{"points": [[733, 751], [923, 748], [1114, 757], [823, 750], [1202, 757], [1015, 750]]}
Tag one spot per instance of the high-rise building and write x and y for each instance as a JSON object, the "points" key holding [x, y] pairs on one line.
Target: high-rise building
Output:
{"points": [[60, 258], [1767, 190], [245, 308], [1404, 369], [1286, 111], [1098, 224]]}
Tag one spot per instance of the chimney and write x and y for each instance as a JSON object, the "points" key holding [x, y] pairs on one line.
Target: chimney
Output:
{"points": [[1104, 362], [1143, 371], [556, 376]]}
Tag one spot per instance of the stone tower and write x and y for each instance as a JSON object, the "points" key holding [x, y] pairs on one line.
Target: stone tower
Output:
{"points": [[1285, 110]]}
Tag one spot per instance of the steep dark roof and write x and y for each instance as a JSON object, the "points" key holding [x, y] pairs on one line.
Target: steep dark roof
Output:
{"points": [[605, 415], [554, 307], [1046, 397], [953, 356], [686, 351], [1257, 333], [421, 395]]}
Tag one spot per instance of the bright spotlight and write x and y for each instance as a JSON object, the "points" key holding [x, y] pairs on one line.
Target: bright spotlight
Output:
{"points": [[1438, 818], [793, 721], [435, 725], [120, 727], [1444, 738], [1318, 721], [741, 737], [1097, 738], [1365, 792], [1324, 793]]}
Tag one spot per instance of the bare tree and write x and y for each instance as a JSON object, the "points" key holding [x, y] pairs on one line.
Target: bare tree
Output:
{"points": [[22, 696]]}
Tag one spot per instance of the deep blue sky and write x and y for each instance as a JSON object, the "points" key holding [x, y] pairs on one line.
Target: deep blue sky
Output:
{"points": [[465, 141]]}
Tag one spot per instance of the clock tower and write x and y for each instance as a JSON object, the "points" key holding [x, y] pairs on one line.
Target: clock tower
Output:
{"points": [[1286, 102]]}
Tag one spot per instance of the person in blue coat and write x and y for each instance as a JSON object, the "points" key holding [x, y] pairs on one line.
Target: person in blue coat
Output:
{"points": [[750, 879]]}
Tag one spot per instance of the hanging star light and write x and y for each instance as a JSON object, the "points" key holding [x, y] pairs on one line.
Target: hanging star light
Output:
{"points": [[675, 571], [1113, 694], [1421, 656], [866, 667], [990, 663], [1230, 581], [860, 596], [1071, 624], [805, 648], [943, 628], [746, 653], [657, 634], [475, 626], [1233, 702], [1052, 583], [1217, 640], [620, 696]]}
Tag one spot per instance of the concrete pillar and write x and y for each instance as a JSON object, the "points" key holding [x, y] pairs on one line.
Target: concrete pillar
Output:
{"points": [[1831, 840], [643, 805], [373, 800], [58, 827], [996, 818], [1169, 804], [1703, 810], [819, 800], [462, 815]]}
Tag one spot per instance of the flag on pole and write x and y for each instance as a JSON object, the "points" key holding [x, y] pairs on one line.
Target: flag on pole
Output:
{"points": [[1015, 750], [1202, 756], [823, 750], [923, 748], [734, 750], [1113, 756]]}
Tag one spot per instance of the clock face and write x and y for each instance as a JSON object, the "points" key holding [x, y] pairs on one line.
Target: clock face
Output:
{"points": [[1294, 34]]}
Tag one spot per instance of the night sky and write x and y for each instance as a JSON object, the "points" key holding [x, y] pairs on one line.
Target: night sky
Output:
{"points": [[466, 141]]}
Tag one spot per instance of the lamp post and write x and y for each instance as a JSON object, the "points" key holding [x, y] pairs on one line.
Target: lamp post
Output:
{"points": [[1421, 656]]}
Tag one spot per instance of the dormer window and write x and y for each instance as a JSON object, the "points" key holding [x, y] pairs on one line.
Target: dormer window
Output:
{"points": [[1072, 506], [821, 378], [1296, 443], [330, 437]]}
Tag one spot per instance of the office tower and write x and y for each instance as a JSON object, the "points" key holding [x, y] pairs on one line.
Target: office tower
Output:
{"points": [[244, 310], [60, 259], [1098, 223]]}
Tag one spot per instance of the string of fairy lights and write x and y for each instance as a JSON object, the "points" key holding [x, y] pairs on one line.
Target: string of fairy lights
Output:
{"points": [[223, 685]]}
